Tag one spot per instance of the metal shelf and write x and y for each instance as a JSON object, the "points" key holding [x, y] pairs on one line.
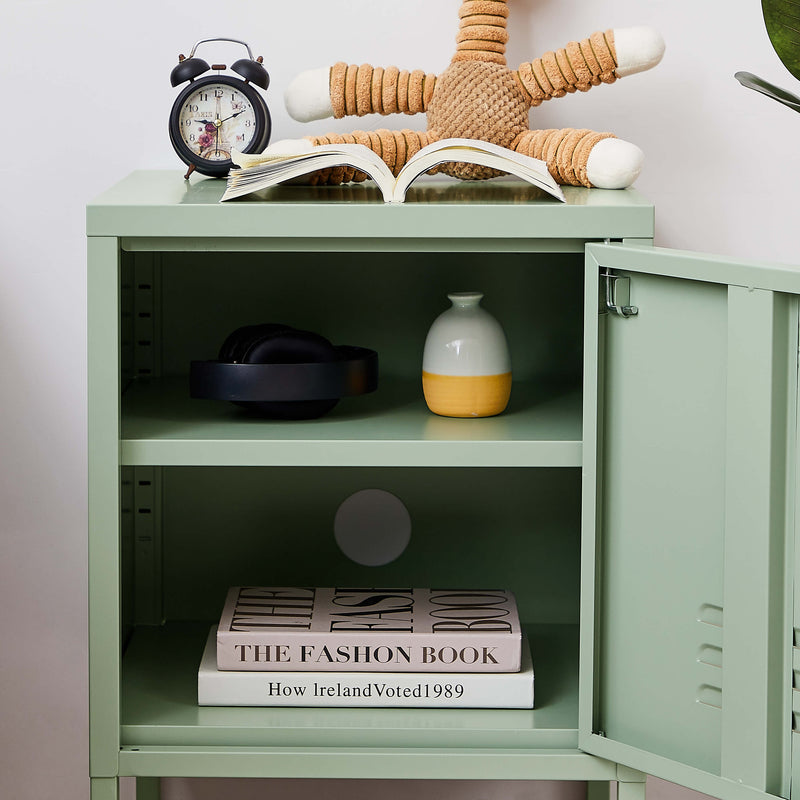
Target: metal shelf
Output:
{"points": [[160, 713], [162, 425]]}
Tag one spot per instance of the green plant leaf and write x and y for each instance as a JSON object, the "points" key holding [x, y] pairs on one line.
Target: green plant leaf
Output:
{"points": [[782, 18], [757, 84]]}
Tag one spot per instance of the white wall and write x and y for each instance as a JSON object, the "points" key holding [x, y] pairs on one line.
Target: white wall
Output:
{"points": [[85, 97]]}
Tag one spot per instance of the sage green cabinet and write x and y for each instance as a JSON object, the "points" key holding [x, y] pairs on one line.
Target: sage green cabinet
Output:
{"points": [[638, 494]]}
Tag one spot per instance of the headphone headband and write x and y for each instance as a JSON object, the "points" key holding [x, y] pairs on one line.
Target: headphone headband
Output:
{"points": [[354, 372]]}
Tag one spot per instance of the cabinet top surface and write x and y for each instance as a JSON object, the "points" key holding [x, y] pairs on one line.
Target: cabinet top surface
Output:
{"points": [[162, 203]]}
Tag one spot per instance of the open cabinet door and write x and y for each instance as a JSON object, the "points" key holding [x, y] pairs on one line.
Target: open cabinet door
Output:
{"points": [[690, 413]]}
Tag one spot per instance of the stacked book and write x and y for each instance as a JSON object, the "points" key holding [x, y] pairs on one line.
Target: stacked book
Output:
{"points": [[293, 646]]}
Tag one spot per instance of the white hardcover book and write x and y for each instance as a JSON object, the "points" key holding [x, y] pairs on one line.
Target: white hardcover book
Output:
{"points": [[366, 689], [292, 629]]}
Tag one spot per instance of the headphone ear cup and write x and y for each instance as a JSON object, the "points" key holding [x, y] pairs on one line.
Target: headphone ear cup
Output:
{"points": [[290, 346], [237, 343]]}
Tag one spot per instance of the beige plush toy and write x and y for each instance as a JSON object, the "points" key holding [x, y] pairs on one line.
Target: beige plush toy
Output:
{"points": [[479, 97]]}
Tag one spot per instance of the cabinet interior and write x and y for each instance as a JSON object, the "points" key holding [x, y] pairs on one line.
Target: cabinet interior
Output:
{"points": [[481, 528], [384, 301], [192, 528], [224, 525]]}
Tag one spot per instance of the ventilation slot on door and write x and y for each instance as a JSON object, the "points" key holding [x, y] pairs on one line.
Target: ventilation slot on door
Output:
{"points": [[796, 682]]}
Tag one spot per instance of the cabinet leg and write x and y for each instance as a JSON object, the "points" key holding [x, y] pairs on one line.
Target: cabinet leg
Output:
{"points": [[597, 790], [630, 784], [104, 788], [148, 789]]}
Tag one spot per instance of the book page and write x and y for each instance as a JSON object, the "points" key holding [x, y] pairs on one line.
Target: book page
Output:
{"points": [[269, 170], [473, 151]]}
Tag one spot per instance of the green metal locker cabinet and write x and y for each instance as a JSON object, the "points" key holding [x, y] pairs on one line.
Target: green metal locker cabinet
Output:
{"points": [[638, 495]]}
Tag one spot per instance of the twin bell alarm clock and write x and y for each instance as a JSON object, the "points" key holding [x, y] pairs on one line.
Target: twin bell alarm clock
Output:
{"points": [[218, 113]]}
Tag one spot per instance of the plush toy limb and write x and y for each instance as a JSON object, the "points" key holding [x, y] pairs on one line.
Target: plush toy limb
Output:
{"points": [[602, 58], [613, 164], [579, 65], [638, 49], [284, 147], [394, 147], [359, 90], [356, 90], [308, 96], [482, 34], [580, 157]]}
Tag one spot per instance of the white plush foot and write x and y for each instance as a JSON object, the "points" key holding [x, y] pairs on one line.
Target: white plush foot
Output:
{"points": [[308, 96], [614, 164], [284, 147], [637, 49], [289, 147]]}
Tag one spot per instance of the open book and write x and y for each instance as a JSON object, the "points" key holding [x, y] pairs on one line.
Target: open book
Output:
{"points": [[260, 171]]}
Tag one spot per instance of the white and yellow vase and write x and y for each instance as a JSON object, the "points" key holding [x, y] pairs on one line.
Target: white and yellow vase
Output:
{"points": [[466, 368]]}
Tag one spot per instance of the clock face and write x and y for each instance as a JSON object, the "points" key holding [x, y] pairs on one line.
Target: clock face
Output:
{"points": [[215, 119], [215, 115]]}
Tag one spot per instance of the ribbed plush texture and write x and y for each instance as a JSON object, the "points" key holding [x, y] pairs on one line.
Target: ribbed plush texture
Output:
{"points": [[579, 65], [482, 34], [566, 151], [394, 147], [476, 97], [476, 100], [359, 90]]}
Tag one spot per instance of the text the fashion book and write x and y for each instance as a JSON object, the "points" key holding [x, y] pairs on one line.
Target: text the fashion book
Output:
{"points": [[388, 689]]}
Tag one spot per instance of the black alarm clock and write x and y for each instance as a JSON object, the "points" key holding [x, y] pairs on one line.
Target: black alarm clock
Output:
{"points": [[218, 113]]}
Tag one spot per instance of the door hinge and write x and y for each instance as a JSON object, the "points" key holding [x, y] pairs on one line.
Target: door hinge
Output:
{"points": [[617, 291]]}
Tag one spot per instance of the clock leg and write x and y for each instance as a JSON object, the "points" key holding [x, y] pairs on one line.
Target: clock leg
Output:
{"points": [[189, 172]]}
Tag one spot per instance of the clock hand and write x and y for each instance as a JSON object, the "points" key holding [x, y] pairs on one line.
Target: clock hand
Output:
{"points": [[232, 116], [218, 123]]}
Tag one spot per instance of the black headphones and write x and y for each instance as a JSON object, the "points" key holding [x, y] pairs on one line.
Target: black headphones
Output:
{"points": [[283, 373]]}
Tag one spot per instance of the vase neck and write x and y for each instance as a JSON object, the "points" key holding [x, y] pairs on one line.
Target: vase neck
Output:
{"points": [[465, 299]]}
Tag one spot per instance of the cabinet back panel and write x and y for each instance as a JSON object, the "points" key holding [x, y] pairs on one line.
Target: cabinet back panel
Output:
{"points": [[510, 528], [385, 301]]}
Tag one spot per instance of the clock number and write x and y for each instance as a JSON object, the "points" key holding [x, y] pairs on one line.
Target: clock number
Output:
{"points": [[194, 108]]}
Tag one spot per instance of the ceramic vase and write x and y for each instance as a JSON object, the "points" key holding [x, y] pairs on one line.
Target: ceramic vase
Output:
{"points": [[466, 368]]}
